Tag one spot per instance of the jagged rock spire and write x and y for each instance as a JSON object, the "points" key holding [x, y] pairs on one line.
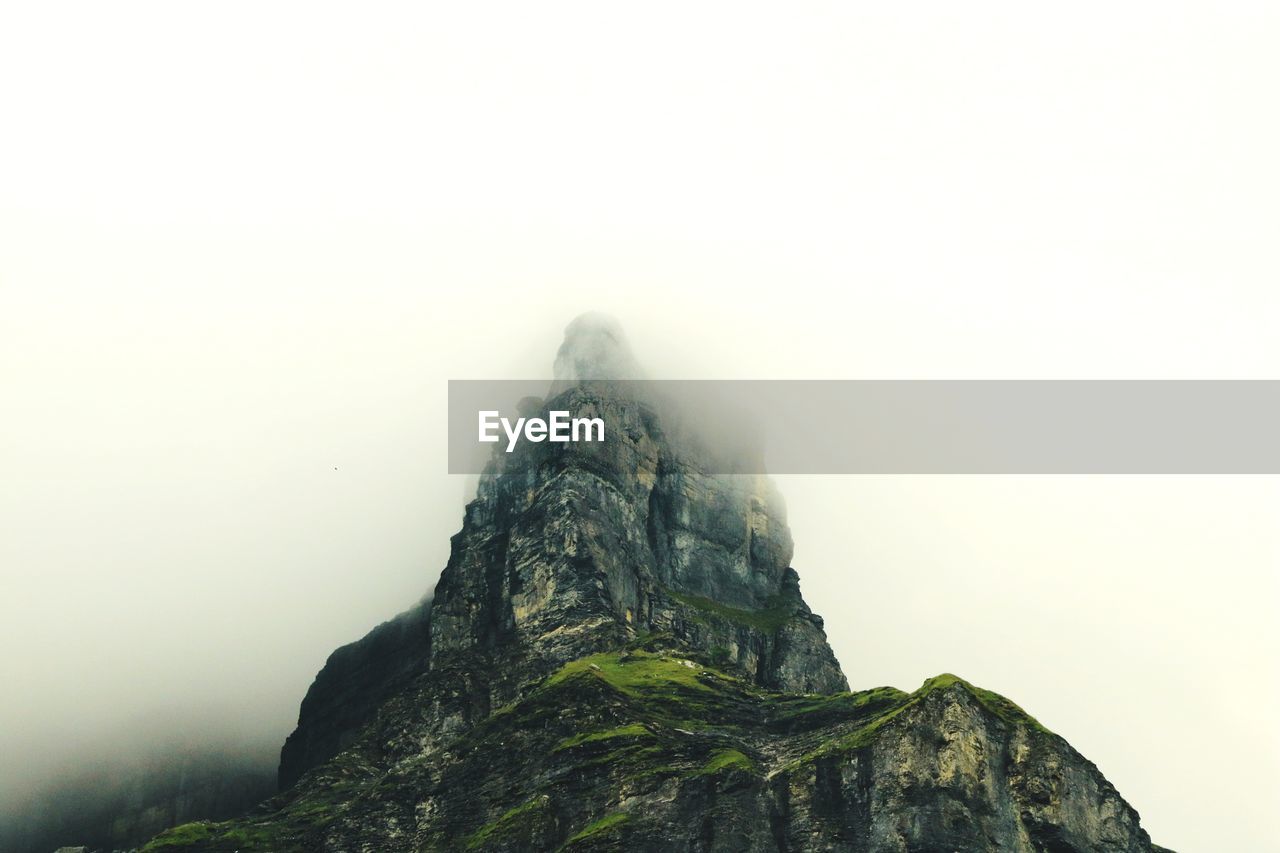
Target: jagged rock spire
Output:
{"points": [[573, 549]]}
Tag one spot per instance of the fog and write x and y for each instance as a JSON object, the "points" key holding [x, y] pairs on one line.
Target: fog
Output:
{"points": [[242, 255]]}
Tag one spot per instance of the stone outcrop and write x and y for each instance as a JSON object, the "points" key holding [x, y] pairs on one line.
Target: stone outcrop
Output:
{"points": [[355, 680], [618, 656]]}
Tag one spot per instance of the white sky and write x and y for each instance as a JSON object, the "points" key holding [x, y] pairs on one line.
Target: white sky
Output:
{"points": [[244, 244]]}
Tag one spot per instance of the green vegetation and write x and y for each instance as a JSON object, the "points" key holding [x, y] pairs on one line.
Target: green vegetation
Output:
{"points": [[178, 837], [228, 835], [855, 739], [776, 612], [629, 758], [608, 823], [993, 702], [633, 730], [513, 820], [726, 759], [285, 833], [252, 837], [660, 689], [648, 704], [657, 771], [634, 673], [644, 710], [859, 737], [792, 709]]}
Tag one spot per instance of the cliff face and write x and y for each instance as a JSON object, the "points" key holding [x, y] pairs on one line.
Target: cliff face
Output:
{"points": [[355, 680], [618, 656]]}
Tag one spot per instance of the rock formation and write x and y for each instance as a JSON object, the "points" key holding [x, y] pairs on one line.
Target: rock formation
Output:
{"points": [[618, 656]]}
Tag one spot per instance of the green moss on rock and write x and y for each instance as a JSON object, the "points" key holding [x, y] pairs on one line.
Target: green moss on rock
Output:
{"points": [[863, 735], [1003, 708], [792, 710], [635, 730], [604, 825], [511, 821], [726, 760], [184, 835], [634, 672], [643, 716]]}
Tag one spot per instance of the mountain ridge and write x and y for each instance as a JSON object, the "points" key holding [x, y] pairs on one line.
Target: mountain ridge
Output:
{"points": [[618, 654]]}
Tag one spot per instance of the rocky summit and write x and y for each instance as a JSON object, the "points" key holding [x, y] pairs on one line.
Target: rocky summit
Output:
{"points": [[618, 657]]}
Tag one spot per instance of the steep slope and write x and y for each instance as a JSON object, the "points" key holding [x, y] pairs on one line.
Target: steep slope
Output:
{"points": [[618, 655], [355, 680], [645, 749]]}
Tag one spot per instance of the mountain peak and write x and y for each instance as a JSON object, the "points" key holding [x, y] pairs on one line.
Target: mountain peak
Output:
{"points": [[573, 550], [594, 347], [618, 656]]}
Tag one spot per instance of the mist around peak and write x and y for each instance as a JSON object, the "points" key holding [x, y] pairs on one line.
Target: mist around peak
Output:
{"points": [[595, 347]]}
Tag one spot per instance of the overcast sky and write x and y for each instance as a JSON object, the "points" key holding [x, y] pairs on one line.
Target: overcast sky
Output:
{"points": [[243, 246]]}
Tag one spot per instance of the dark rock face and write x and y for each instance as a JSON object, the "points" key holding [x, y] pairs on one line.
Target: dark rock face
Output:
{"points": [[570, 549], [618, 656], [355, 680]]}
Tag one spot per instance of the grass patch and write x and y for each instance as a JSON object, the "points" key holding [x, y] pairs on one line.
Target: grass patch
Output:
{"points": [[606, 824], [629, 758], [726, 759], [790, 709], [633, 730], [228, 835], [510, 821], [634, 673], [670, 690], [178, 837], [285, 831], [993, 702], [859, 737]]}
